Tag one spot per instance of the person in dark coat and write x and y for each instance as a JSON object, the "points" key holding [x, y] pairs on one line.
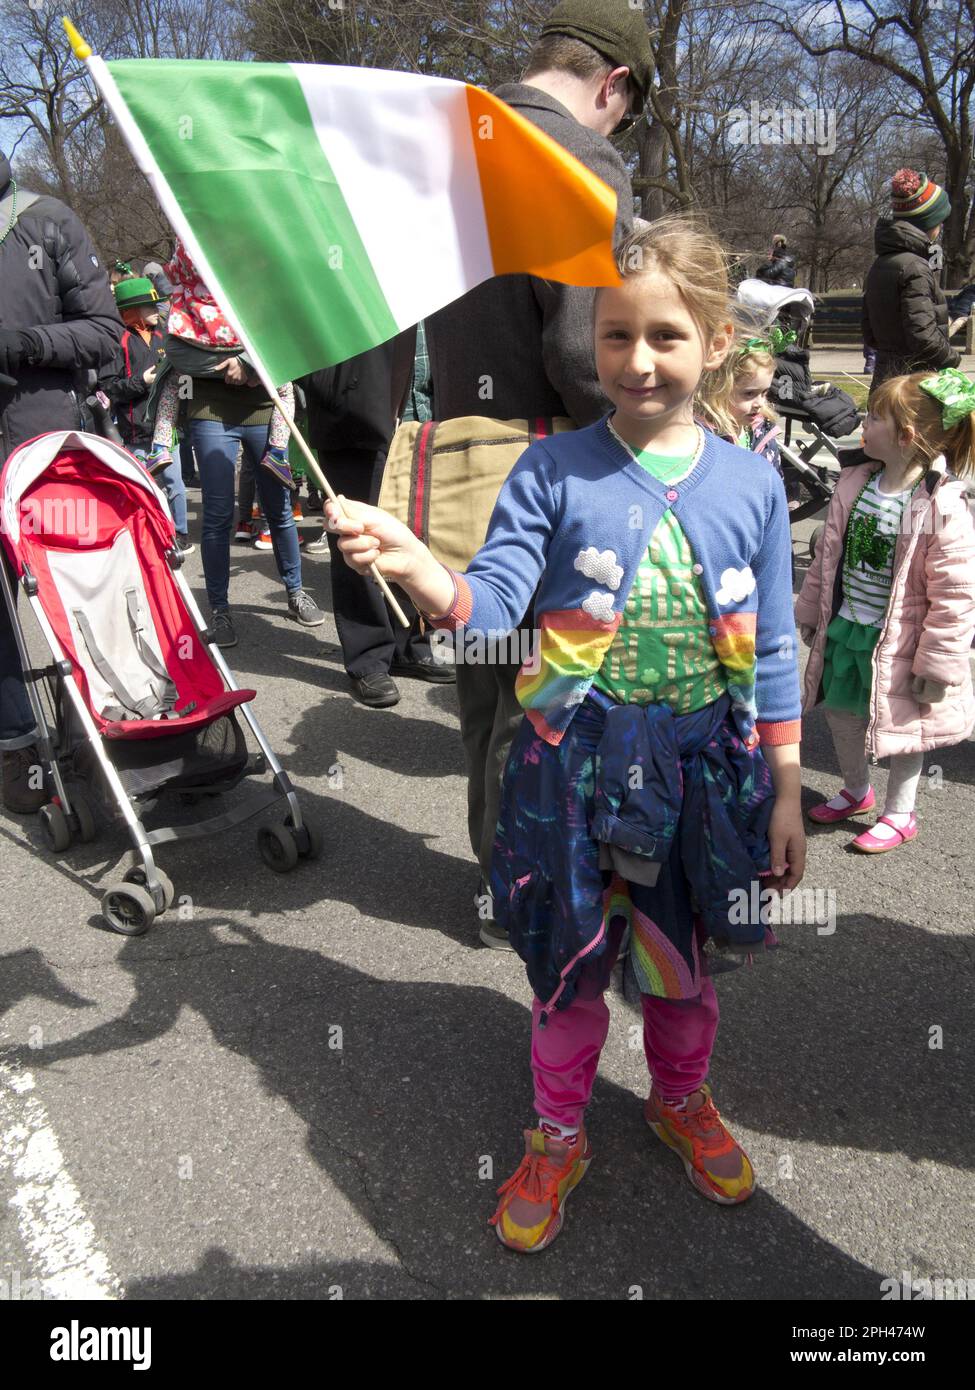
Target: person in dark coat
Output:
{"points": [[520, 348], [58, 317], [905, 314], [352, 414], [780, 268]]}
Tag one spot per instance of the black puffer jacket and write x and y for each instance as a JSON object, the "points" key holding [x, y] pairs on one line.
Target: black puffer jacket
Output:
{"points": [[905, 315], [780, 269], [62, 293]]}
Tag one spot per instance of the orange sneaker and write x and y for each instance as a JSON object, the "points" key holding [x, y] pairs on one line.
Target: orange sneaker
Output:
{"points": [[296, 511], [716, 1164], [529, 1215]]}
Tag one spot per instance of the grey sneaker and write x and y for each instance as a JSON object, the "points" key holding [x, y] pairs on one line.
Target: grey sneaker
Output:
{"points": [[304, 610], [222, 627], [319, 547], [490, 933]]}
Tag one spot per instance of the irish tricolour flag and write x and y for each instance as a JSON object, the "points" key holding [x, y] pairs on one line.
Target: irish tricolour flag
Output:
{"points": [[331, 207]]}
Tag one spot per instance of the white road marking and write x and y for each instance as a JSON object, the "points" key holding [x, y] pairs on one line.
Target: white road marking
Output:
{"points": [[55, 1229]]}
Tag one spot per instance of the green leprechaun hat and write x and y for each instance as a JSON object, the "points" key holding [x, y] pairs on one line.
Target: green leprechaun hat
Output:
{"points": [[135, 292]]}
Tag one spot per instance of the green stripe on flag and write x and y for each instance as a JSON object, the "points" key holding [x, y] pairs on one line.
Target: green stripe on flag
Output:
{"points": [[236, 144]]}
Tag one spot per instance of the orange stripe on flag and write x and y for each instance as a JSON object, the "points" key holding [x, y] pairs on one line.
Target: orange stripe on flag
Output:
{"points": [[546, 213]]}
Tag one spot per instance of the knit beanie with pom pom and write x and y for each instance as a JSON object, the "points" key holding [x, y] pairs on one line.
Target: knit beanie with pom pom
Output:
{"points": [[916, 198]]}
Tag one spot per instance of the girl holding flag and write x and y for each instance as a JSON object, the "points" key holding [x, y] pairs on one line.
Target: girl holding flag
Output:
{"points": [[665, 650]]}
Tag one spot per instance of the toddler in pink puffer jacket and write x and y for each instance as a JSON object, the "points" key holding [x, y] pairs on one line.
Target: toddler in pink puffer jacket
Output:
{"points": [[888, 604]]}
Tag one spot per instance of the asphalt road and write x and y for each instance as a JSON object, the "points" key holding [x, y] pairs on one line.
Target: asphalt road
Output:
{"points": [[309, 1086]]}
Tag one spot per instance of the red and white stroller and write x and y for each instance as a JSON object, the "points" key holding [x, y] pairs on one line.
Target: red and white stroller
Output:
{"points": [[139, 700]]}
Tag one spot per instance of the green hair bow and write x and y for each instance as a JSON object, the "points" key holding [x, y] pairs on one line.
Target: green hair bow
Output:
{"points": [[123, 267], [774, 343], [955, 392]]}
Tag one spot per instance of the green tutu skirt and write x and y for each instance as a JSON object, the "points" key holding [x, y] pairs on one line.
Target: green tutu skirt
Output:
{"points": [[847, 672]]}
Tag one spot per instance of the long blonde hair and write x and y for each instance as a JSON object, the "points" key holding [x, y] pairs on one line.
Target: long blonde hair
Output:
{"points": [[901, 400], [712, 401]]}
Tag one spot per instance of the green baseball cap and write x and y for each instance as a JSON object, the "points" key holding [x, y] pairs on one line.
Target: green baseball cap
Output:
{"points": [[613, 28], [136, 291]]}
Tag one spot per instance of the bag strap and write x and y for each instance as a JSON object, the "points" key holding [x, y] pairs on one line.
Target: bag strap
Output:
{"points": [[421, 478]]}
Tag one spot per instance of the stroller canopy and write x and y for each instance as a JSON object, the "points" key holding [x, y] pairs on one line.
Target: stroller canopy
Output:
{"points": [[764, 303], [30, 461]]}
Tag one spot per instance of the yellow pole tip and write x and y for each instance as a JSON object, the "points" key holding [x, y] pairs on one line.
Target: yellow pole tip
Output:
{"points": [[79, 48]]}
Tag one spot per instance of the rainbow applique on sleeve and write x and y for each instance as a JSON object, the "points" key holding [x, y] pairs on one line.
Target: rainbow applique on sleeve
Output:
{"points": [[570, 649]]}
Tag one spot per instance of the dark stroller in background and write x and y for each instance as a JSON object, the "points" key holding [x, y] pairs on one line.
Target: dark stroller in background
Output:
{"points": [[822, 410], [137, 700]]}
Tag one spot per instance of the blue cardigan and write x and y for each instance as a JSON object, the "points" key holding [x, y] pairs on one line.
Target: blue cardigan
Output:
{"points": [[574, 519]]}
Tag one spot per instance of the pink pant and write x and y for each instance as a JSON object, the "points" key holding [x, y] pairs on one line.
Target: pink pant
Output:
{"points": [[678, 1037]]}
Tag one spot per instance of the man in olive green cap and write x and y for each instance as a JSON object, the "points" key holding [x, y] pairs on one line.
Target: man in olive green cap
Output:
{"points": [[519, 348], [612, 30]]}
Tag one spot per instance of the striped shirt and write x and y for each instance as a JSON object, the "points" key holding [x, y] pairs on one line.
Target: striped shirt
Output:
{"points": [[875, 523]]}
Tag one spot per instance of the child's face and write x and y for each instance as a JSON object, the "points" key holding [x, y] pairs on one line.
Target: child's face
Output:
{"points": [[750, 394], [650, 353], [151, 317], [880, 439]]}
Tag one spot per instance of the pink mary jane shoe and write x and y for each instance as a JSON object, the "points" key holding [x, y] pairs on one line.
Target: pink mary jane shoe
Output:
{"points": [[870, 843], [825, 815]]}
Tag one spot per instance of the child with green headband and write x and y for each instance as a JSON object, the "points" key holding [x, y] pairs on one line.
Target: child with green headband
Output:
{"points": [[733, 401], [888, 605]]}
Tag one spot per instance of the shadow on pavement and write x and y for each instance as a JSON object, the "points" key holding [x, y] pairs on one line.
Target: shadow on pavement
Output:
{"points": [[433, 1079]]}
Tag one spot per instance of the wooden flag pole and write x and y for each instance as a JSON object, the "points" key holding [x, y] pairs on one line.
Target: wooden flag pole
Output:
{"points": [[319, 477], [83, 51]]}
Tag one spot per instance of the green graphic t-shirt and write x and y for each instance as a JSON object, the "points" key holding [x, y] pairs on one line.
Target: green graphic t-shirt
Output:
{"points": [[662, 651]]}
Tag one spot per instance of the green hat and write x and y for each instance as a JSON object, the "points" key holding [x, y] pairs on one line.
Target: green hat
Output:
{"points": [[613, 28], [129, 294]]}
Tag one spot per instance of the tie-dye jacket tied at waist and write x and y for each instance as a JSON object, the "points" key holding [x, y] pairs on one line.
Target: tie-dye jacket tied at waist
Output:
{"points": [[644, 792]]}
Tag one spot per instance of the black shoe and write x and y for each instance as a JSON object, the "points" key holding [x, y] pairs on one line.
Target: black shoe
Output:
{"points": [[184, 543], [222, 627], [376, 690], [19, 772], [425, 668]]}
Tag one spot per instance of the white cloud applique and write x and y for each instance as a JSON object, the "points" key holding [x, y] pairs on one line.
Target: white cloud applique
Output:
{"points": [[599, 606], [735, 585], [600, 565]]}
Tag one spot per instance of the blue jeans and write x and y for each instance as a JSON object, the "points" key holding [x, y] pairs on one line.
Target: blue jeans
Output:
{"points": [[16, 719], [170, 479], [215, 446]]}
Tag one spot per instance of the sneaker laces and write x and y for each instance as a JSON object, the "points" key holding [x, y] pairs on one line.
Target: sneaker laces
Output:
{"points": [[705, 1123], [536, 1177]]}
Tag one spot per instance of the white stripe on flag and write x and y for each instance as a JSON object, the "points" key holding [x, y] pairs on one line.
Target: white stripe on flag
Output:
{"points": [[407, 169]]}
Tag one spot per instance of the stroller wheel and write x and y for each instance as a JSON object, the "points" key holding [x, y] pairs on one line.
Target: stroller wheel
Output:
{"points": [[138, 875], [312, 837], [814, 540], [85, 818], [54, 824], [128, 909], [277, 847]]}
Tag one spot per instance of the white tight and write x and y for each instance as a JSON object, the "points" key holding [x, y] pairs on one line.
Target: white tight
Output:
{"points": [[849, 739]]}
